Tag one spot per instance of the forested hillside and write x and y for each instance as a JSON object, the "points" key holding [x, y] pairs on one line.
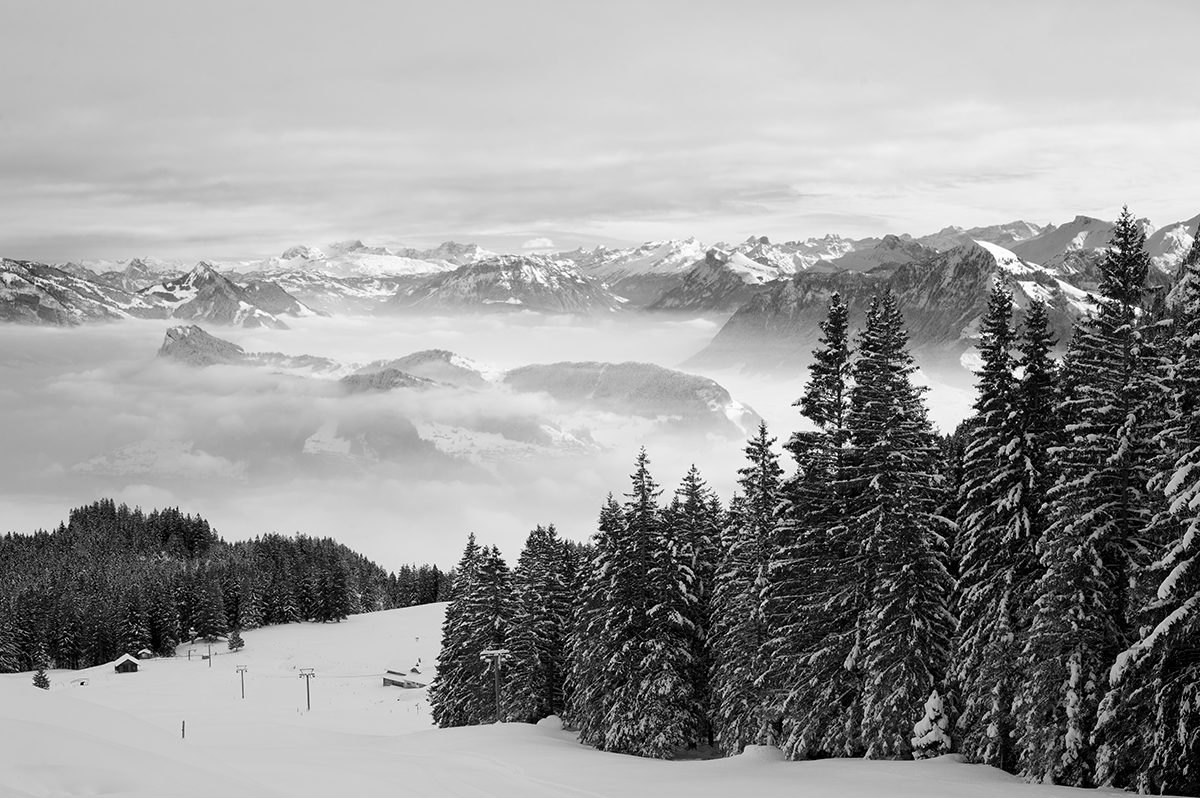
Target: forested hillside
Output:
{"points": [[114, 580], [1023, 592]]}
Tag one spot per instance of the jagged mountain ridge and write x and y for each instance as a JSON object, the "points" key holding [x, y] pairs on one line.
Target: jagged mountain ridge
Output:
{"points": [[41, 294], [943, 297], [203, 294], [511, 283], [714, 285], [678, 275]]}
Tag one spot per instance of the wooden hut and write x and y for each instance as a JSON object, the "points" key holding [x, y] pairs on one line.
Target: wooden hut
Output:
{"points": [[397, 676], [126, 664]]}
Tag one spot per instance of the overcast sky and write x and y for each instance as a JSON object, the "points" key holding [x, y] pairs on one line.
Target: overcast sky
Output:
{"points": [[233, 130]]}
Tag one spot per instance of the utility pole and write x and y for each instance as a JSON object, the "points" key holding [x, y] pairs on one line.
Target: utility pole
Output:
{"points": [[307, 674], [496, 655], [241, 669]]}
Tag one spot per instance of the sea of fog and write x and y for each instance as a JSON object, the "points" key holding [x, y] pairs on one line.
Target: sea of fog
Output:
{"points": [[224, 441]]}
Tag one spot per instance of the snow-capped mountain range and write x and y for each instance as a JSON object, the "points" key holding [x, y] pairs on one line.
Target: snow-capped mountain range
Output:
{"points": [[941, 279]]}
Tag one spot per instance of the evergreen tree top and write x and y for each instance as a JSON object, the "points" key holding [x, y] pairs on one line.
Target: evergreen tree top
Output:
{"points": [[1126, 262]]}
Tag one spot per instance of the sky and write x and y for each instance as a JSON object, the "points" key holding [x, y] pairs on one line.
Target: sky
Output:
{"points": [[234, 130]]}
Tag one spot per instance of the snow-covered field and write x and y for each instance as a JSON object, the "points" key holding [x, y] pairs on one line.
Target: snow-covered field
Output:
{"points": [[120, 734]]}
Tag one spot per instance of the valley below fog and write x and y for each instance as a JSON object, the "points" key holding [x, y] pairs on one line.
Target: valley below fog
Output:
{"points": [[93, 412]]}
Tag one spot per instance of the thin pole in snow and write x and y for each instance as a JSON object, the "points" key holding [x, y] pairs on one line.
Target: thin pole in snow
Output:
{"points": [[183, 730], [496, 655], [307, 674], [210, 655], [241, 669]]}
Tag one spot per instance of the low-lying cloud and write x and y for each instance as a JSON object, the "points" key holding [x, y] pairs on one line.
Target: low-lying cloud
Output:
{"points": [[92, 412]]}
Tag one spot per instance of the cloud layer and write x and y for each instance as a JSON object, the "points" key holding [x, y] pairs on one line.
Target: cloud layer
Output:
{"points": [[143, 128], [92, 412]]}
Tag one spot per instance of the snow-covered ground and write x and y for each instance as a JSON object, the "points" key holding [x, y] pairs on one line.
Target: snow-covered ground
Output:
{"points": [[120, 734]]}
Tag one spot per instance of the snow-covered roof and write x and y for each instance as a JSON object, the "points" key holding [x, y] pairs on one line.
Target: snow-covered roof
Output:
{"points": [[125, 658]]}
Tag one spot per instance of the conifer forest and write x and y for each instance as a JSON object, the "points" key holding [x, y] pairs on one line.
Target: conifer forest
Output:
{"points": [[114, 580], [1021, 591]]}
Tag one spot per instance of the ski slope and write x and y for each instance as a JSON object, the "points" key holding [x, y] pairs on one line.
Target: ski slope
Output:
{"points": [[120, 734]]}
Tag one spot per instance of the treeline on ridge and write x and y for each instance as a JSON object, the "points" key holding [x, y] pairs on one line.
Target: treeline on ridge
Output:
{"points": [[1024, 591], [114, 580]]}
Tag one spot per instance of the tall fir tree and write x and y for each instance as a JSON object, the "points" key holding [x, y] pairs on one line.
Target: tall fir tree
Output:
{"points": [[588, 679], [1150, 721], [478, 619], [696, 520], [447, 695], [895, 489], [744, 712], [542, 606], [999, 527], [814, 594], [1098, 509]]}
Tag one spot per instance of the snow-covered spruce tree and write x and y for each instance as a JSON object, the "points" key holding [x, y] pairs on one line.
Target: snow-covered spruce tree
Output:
{"points": [[999, 525], [931, 735], [814, 593], [40, 679], [626, 607], [895, 490], [448, 697], [482, 620], [985, 639], [744, 714], [673, 705], [1150, 721], [208, 620], [826, 398], [541, 614], [645, 643], [236, 643], [588, 679], [696, 520], [1098, 511]]}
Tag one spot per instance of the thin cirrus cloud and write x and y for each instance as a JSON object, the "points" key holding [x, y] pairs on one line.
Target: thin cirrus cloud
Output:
{"points": [[146, 127]]}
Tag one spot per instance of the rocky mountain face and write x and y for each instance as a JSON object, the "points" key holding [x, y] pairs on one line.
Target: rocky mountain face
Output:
{"points": [[639, 274], [193, 346], [510, 283], [889, 251], [1004, 235], [136, 275], [441, 366], [40, 294], [271, 297], [387, 379], [641, 389], [942, 295], [204, 295], [719, 284]]}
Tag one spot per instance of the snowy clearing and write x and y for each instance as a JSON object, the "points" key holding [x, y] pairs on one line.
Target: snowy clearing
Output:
{"points": [[120, 734]]}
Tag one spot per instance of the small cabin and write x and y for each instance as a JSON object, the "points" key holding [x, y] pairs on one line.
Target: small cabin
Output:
{"points": [[125, 664], [145, 653], [397, 675]]}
